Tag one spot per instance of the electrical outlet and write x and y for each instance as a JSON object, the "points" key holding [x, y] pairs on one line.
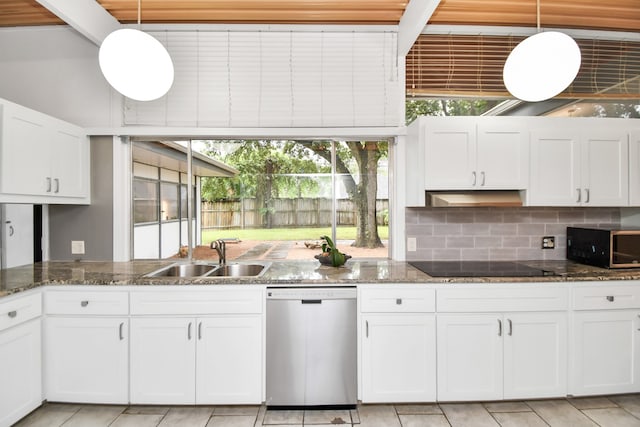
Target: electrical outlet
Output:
{"points": [[411, 244], [77, 247], [548, 242]]}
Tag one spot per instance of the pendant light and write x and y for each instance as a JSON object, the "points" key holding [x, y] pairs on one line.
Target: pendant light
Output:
{"points": [[136, 64], [541, 66]]}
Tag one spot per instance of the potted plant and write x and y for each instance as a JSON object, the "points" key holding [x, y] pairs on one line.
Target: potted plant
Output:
{"points": [[330, 254]]}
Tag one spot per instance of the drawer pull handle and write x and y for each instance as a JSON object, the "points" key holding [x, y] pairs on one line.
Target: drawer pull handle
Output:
{"points": [[200, 330], [120, 331], [189, 331], [398, 301], [84, 303], [610, 298], [499, 327], [510, 327], [12, 314], [367, 327]]}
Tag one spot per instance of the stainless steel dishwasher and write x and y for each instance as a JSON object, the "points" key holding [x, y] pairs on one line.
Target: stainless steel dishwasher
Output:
{"points": [[311, 347]]}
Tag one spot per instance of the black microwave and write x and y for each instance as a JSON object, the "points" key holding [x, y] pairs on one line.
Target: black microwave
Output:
{"points": [[604, 247]]}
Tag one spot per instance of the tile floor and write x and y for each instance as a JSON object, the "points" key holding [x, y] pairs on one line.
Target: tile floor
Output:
{"points": [[606, 411]]}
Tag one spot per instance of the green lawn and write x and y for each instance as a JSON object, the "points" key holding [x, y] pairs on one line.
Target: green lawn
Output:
{"points": [[344, 233]]}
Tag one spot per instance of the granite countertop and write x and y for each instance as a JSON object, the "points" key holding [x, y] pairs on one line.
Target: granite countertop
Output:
{"points": [[279, 273]]}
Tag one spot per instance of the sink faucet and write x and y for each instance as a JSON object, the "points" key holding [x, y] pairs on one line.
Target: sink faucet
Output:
{"points": [[221, 247]]}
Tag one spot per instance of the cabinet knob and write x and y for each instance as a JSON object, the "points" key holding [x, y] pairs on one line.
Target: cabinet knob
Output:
{"points": [[398, 301], [610, 298], [12, 314], [84, 303]]}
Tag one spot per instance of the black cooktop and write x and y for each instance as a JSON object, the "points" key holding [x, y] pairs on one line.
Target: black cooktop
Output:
{"points": [[478, 269]]}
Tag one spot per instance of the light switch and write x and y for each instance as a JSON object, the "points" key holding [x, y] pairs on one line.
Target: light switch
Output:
{"points": [[77, 247]]}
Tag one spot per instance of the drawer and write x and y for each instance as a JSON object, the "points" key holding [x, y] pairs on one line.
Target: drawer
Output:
{"points": [[20, 309], [604, 296], [86, 302], [208, 301], [399, 300], [474, 300]]}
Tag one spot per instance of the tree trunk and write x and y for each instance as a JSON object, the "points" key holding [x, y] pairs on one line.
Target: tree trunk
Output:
{"points": [[364, 199], [364, 192]]}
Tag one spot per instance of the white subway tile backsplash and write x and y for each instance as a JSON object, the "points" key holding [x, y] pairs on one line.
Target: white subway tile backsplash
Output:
{"points": [[474, 254], [503, 229], [488, 242], [447, 229], [530, 229], [460, 242], [476, 229], [475, 234]]}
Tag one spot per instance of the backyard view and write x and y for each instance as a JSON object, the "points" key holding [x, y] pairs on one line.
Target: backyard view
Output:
{"points": [[287, 194]]}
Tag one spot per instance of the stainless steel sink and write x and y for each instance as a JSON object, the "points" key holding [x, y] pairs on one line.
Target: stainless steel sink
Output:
{"points": [[195, 270], [183, 270], [239, 270]]}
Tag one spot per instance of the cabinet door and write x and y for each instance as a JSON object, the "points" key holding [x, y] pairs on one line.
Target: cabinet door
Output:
{"points": [[21, 372], [535, 355], [398, 358], [502, 154], [163, 359], [450, 153], [634, 169], [605, 352], [229, 360], [25, 152], [555, 168], [87, 360], [469, 356], [70, 160], [605, 169]]}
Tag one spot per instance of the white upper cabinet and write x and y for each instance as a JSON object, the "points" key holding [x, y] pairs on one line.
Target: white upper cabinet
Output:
{"points": [[450, 152], [575, 163], [502, 153], [475, 153], [42, 159], [634, 168]]}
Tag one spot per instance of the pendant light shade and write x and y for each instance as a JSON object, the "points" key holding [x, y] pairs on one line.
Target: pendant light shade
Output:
{"points": [[541, 66], [136, 64]]}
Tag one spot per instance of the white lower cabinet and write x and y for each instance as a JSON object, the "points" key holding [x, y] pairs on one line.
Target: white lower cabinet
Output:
{"points": [[87, 359], [163, 361], [20, 372], [469, 357], [493, 356], [397, 344], [398, 358], [606, 352], [486, 352], [186, 361]]}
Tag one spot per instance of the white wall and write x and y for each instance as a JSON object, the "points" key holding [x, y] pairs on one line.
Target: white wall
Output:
{"points": [[55, 70]]}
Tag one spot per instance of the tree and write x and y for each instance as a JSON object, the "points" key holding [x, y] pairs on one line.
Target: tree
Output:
{"points": [[363, 191], [447, 107]]}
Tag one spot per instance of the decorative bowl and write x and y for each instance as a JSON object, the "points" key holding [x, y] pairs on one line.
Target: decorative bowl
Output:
{"points": [[326, 260]]}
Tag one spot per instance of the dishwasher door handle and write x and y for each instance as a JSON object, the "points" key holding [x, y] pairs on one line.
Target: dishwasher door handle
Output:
{"points": [[311, 301]]}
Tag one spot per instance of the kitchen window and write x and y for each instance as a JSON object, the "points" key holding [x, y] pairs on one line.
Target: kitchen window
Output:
{"points": [[288, 193]]}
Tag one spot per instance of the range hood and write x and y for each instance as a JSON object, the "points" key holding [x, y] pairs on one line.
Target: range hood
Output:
{"points": [[505, 198]]}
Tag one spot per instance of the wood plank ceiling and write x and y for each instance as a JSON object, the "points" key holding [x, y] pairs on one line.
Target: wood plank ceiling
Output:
{"points": [[437, 65]]}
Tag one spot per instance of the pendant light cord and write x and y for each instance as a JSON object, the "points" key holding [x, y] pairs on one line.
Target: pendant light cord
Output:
{"points": [[537, 14], [139, 14]]}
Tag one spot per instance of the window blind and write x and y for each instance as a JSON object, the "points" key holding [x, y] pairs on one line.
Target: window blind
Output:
{"points": [[276, 79]]}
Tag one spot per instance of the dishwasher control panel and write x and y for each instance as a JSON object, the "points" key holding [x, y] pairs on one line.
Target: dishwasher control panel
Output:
{"points": [[311, 293]]}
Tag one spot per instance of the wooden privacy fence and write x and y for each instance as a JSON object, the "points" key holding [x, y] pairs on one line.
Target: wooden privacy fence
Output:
{"points": [[301, 212]]}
